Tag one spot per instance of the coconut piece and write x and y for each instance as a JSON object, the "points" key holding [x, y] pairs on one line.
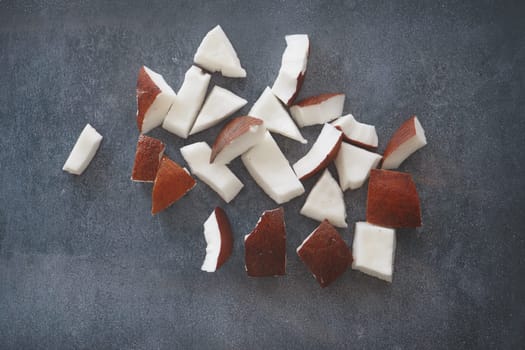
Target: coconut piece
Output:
{"points": [[318, 109], [359, 134], [147, 158], [83, 152], [219, 240], [406, 140], [353, 165]]}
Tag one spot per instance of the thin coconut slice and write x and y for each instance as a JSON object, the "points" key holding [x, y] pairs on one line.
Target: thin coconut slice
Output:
{"points": [[326, 201], [147, 159], [325, 253], [406, 140], [216, 54], [271, 170], [218, 176], [323, 151], [171, 183], [187, 103], [219, 105], [219, 240], [275, 117], [359, 134], [83, 152], [235, 138], [318, 109], [353, 165], [154, 99], [392, 200], [265, 246], [293, 68], [374, 250]]}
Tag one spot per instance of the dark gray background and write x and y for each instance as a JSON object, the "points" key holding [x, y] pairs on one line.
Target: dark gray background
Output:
{"points": [[83, 264]]}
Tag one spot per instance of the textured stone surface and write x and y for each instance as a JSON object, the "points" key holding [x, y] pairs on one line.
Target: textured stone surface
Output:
{"points": [[83, 264]]}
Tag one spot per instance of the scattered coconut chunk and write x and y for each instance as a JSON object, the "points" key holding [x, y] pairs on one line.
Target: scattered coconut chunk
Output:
{"points": [[275, 117], [219, 240], [318, 109], [374, 250], [353, 165], [265, 246], [219, 105], [325, 253], [392, 200], [323, 151], [171, 183], [218, 176], [406, 140], [154, 99], [359, 134], [83, 152], [235, 138], [187, 103], [271, 170], [326, 201], [216, 54], [147, 159], [293, 68]]}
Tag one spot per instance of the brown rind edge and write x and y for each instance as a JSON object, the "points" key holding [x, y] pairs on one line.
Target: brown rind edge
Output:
{"points": [[235, 128], [147, 158], [147, 92], [226, 237], [314, 100], [328, 159], [405, 132]]}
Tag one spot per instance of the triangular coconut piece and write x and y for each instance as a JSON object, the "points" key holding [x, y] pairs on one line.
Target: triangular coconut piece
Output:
{"points": [[265, 246], [326, 201], [406, 140], [275, 117], [219, 105], [171, 183], [154, 99], [147, 159], [353, 165], [216, 54]]}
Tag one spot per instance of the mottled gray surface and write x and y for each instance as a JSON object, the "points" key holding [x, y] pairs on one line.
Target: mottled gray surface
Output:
{"points": [[83, 264]]}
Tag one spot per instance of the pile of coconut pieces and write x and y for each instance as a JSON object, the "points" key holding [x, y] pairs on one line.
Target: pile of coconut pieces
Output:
{"points": [[392, 197]]}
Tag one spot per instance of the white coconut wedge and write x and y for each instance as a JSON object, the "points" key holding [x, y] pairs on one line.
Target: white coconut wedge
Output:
{"points": [[275, 117], [323, 151], [406, 140], [216, 54], [235, 138], [293, 68], [373, 250], [353, 165], [187, 103], [318, 109], [218, 176], [219, 240], [83, 152], [325, 201], [154, 99], [359, 134], [219, 105], [271, 170]]}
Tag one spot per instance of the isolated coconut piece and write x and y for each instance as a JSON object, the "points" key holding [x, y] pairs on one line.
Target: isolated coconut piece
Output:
{"points": [[406, 140], [83, 151], [275, 117], [318, 109], [216, 54], [171, 183], [359, 134], [272, 171], [323, 151], [353, 165], [219, 105], [265, 246], [325, 253], [147, 158], [373, 250], [218, 176], [154, 99], [293, 68], [219, 240], [392, 200], [235, 138], [187, 103], [325, 201]]}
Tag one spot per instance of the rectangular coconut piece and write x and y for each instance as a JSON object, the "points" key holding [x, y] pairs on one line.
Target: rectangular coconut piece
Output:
{"points": [[83, 152]]}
